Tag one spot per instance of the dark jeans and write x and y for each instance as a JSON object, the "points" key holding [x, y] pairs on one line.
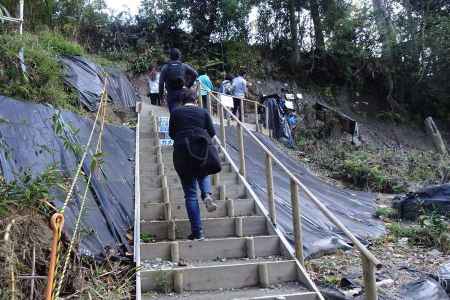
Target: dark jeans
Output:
{"points": [[173, 99], [190, 195], [236, 107], [154, 99], [205, 101]]}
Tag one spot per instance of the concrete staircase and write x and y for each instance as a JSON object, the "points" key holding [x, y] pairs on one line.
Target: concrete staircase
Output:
{"points": [[243, 256]]}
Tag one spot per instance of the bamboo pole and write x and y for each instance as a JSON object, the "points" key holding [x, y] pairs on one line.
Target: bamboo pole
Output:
{"points": [[21, 5], [369, 278], [296, 220], [270, 197], [266, 110]]}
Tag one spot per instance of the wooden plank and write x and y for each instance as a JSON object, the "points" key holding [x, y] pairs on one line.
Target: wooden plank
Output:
{"points": [[219, 277], [213, 228]]}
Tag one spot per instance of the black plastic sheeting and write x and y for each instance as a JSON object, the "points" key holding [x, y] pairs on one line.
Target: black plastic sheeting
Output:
{"points": [[432, 199], [354, 209], [88, 79], [422, 289], [29, 143]]}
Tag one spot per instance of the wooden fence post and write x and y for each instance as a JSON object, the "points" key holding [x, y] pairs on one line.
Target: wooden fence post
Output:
{"points": [[296, 220], [242, 110], [270, 197], [241, 149], [222, 125], [256, 117], [369, 277]]}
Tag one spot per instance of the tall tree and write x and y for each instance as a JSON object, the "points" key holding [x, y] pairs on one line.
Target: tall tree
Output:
{"points": [[318, 31]]}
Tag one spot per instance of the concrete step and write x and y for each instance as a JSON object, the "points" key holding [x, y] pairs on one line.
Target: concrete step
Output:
{"points": [[227, 208], [283, 291], [234, 275], [211, 249], [155, 181], [155, 168], [176, 194], [212, 228], [169, 170]]}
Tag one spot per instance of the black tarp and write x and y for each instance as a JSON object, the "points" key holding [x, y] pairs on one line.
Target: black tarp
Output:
{"points": [[423, 289], [432, 199], [354, 209], [87, 78], [29, 143]]}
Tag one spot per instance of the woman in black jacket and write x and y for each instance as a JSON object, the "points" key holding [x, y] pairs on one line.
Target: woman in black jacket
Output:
{"points": [[187, 124]]}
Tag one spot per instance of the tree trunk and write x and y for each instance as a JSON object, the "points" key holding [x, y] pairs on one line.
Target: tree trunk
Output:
{"points": [[318, 34], [293, 23], [387, 34]]}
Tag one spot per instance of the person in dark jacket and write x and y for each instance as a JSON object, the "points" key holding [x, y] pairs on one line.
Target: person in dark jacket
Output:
{"points": [[174, 76], [184, 121]]}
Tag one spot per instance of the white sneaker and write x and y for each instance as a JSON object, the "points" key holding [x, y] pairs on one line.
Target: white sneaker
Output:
{"points": [[210, 204]]}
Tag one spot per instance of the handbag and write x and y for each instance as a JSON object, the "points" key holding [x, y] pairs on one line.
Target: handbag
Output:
{"points": [[204, 155]]}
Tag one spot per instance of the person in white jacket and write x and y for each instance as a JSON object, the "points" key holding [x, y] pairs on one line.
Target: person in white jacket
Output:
{"points": [[153, 86]]}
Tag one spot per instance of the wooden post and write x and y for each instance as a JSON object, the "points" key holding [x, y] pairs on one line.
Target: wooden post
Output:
{"points": [[370, 287], [222, 126], [241, 150], [296, 220], [21, 5], [242, 110], [256, 117], [267, 120], [208, 105], [270, 197], [433, 131]]}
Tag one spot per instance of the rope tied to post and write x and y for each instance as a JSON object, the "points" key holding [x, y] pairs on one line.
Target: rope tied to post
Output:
{"points": [[57, 220]]}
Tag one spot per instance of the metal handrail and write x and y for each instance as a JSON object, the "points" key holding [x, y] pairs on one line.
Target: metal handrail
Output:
{"points": [[369, 261]]}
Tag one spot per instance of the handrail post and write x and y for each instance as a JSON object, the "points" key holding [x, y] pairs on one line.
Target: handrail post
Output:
{"points": [[270, 197], [256, 117], [296, 220], [242, 110], [369, 277], [208, 104], [267, 120], [222, 125], [241, 149], [200, 99]]}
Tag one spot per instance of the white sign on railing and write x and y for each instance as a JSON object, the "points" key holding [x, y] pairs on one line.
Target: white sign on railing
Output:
{"points": [[226, 100], [163, 126]]}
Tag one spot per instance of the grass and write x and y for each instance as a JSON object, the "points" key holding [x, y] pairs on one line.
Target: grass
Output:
{"points": [[368, 168], [432, 231], [43, 80]]}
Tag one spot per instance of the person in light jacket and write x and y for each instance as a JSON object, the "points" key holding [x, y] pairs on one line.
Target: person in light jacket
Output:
{"points": [[153, 86]]}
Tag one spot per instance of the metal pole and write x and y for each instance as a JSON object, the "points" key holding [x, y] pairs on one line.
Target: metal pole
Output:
{"points": [[269, 180], [256, 116], [296, 220], [21, 16], [222, 125], [241, 150], [369, 278]]}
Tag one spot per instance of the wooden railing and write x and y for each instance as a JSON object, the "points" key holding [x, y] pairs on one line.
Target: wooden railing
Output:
{"points": [[368, 260]]}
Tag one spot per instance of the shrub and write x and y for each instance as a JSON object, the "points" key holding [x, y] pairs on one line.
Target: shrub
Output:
{"points": [[43, 79], [154, 55]]}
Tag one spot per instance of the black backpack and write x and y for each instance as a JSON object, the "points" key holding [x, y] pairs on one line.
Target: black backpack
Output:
{"points": [[175, 74]]}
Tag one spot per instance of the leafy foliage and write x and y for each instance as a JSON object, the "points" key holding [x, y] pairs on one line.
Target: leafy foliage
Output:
{"points": [[43, 79], [29, 192]]}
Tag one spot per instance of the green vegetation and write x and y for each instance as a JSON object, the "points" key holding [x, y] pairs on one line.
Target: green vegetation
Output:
{"points": [[432, 231], [147, 237], [29, 192], [386, 212], [368, 168], [43, 79]]}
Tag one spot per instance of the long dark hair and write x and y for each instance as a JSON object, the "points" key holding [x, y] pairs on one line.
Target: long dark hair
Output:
{"points": [[153, 73]]}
